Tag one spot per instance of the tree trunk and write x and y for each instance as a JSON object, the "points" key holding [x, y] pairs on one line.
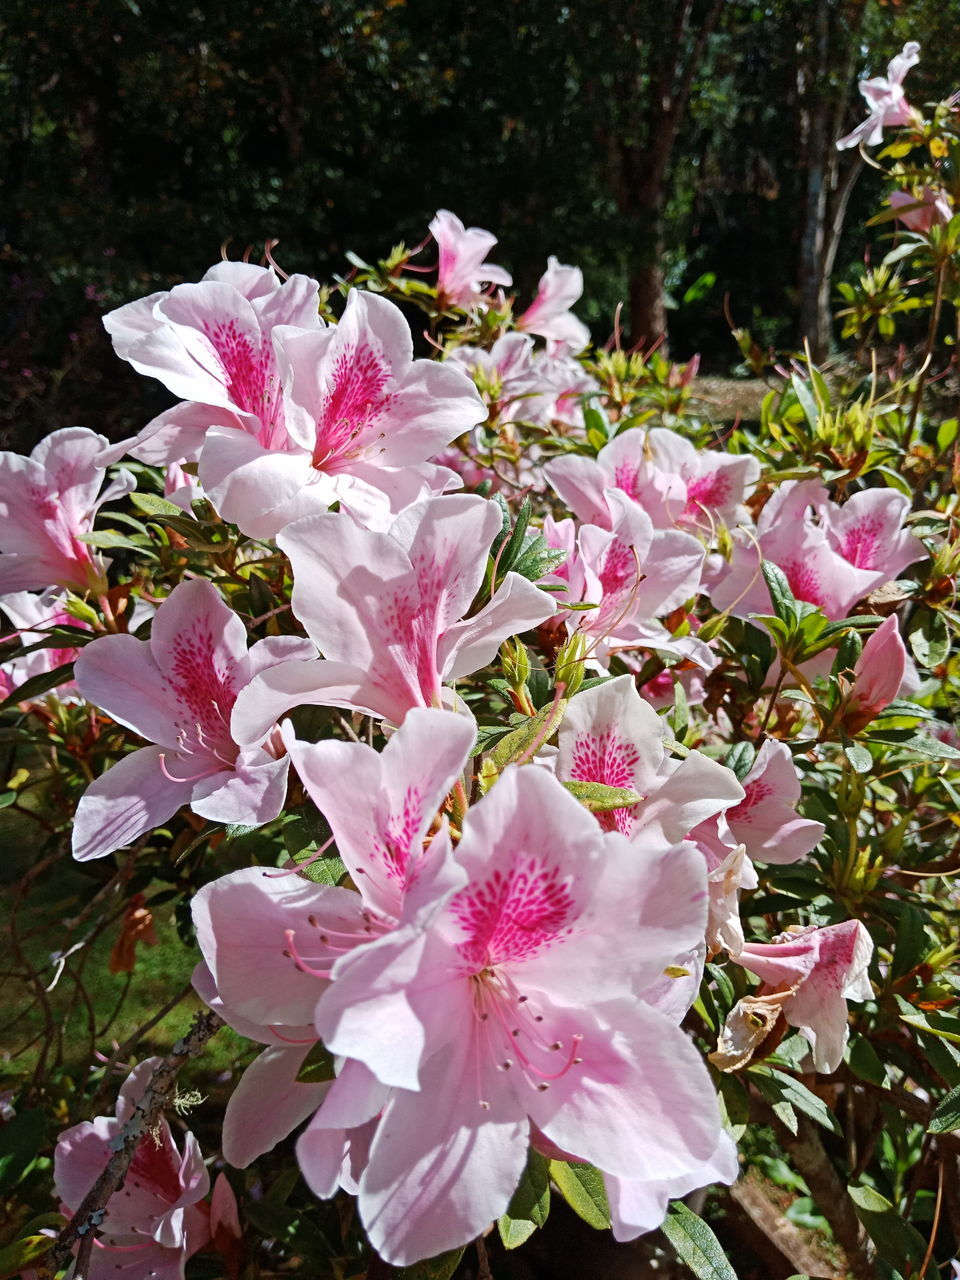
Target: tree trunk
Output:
{"points": [[648, 311], [835, 28]]}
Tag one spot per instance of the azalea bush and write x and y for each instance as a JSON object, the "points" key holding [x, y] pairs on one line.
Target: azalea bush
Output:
{"points": [[551, 795]]}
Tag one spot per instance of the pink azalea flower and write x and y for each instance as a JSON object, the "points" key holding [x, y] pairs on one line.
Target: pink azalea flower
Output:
{"points": [[819, 970], [930, 208], [877, 676], [177, 690], [269, 941], [385, 609], [361, 416], [568, 381], [637, 1206], [766, 819], [610, 735], [494, 1005], [550, 314], [728, 872], [659, 690], [511, 380], [32, 615], [211, 343], [181, 487], [462, 270], [853, 549], [867, 530], [155, 1222], [886, 104], [47, 502], [633, 574], [673, 482]]}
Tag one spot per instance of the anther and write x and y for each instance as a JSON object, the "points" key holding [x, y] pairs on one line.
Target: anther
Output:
{"points": [[312, 920]]}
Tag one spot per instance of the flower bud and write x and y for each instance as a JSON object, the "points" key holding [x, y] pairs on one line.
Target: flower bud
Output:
{"points": [[516, 663], [570, 663]]}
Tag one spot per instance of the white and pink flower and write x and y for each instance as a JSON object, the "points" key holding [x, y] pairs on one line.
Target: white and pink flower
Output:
{"points": [[158, 1219], [462, 271], [387, 611], [48, 501], [177, 690]]}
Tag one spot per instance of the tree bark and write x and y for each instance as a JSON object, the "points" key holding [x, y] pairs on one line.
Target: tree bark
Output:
{"points": [[826, 196]]}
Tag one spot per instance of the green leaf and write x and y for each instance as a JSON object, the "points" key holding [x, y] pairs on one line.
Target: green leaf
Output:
{"points": [[804, 399], [317, 1066], [235, 830], [898, 1243], [680, 716], [19, 1255], [931, 748], [947, 433], [781, 597], [599, 798], [539, 727], [109, 538], [595, 422], [439, 1268], [20, 1140], [152, 504], [776, 1086], [740, 759], [511, 552], [938, 1024], [946, 1118], [38, 685], [735, 1104], [581, 1185], [530, 1205], [912, 941], [929, 638], [859, 757], [538, 558], [865, 1062], [696, 1245]]}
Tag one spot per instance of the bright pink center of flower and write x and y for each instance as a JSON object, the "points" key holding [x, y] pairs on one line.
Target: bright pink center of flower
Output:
{"points": [[756, 792], [414, 616], [606, 758], [804, 582], [627, 478], [249, 374], [711, 490], [861, 545], [354, 405], [394, 848], [513, 915], [152, 1168], [203, 684], [619, 569]]}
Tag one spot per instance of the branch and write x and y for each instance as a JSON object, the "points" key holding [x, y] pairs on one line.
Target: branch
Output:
{"points": [[829, 1195], [84, 1223]]}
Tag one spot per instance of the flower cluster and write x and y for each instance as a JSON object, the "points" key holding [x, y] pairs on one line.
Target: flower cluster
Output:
{"points": [[544, 682]]}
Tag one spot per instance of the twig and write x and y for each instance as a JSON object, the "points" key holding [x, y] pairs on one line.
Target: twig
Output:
{"points": [[89, 1216], [936, 1220], [122, 1049]]}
